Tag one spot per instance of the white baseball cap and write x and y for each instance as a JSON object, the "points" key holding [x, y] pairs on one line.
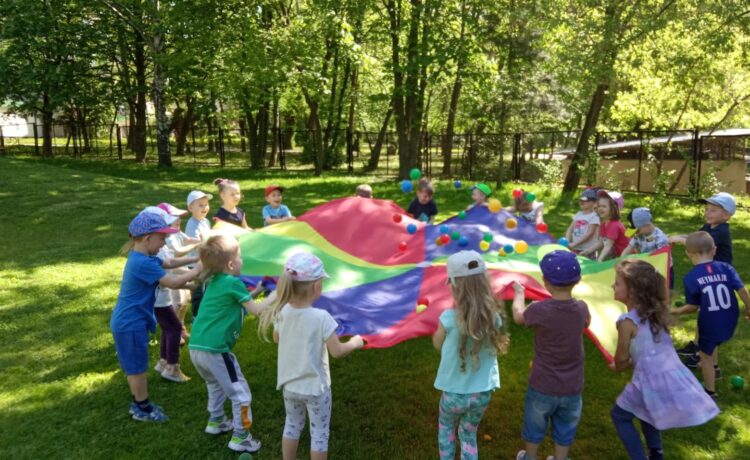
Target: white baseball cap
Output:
{"points": [[465, 263], [723, 200], [169, 219], [197, 195]]}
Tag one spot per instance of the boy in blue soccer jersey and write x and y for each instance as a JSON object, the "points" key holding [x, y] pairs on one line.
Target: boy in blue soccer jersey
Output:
{"points": [[709, 287]]}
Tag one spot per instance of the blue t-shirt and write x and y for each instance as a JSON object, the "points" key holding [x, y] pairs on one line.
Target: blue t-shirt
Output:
{"points": [[722, 240], [449, 377], [423, 212], [712, 287], [275, 213], [134, 310]]}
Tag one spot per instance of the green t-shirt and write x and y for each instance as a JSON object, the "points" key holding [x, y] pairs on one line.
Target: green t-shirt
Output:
{"points": [[219, 320]]}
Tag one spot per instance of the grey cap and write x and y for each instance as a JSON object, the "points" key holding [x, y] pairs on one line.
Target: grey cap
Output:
{"points": [[640, 217], [465, 263]]}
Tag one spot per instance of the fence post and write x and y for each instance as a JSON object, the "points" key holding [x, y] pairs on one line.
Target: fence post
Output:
{"points": [[282, 150], [470, 151], [220, 140], [349, 151], [640, 158], [2, 141], [697, 158], [119, 143], [516, 161], [36, 140]]}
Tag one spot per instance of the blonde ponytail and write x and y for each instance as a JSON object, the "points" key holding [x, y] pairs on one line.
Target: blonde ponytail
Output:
{"points": [[287, 290]]}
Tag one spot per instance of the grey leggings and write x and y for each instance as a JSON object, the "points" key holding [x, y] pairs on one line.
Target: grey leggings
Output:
{"points": [[319, 410]]}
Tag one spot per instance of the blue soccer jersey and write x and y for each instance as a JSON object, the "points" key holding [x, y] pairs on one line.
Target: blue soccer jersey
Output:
{"points": [[712, 287]]}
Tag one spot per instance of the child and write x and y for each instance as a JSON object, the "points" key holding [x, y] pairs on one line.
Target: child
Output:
{"points": [[648, 237], [305, 336], [480, 193], [719, 209], [275, 212], [662, 392], [423, 207], [215, 332], [133, 315], [364, 191], [582, 231], [469, 338], [198, 226], [709, 287], [229, 192], [528, 210], [612, 240], [556, 379]]}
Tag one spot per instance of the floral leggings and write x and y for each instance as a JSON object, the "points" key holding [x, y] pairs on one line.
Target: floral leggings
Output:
{"points": [[462, 411]]}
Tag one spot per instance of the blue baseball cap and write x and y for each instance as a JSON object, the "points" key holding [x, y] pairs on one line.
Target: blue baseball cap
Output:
{"points": [[723, 200], [146, 222], [588, 194], [561, 268], [639, 217]]}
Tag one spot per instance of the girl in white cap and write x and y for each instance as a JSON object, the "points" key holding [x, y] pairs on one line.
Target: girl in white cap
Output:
{"points": [[469, 337], [305, 336]]}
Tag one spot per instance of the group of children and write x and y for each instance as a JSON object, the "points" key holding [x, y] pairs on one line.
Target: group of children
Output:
{"points": [[163, 262]]}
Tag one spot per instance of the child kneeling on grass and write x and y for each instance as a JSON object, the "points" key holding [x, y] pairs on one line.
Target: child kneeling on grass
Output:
{"points": [[225, 303], [305, 336], [469, 337], [133, 315]]}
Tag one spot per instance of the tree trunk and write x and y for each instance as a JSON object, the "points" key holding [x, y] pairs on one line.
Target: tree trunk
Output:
{"points": [[263, 119], [46, 126], [375, 153], [210, 132], [138, 140], [274, 133], [573, 177], [181, 121], [243, 136]]}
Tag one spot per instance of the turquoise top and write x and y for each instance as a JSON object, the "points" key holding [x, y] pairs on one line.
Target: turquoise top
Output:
{"points": [[449, 377]]}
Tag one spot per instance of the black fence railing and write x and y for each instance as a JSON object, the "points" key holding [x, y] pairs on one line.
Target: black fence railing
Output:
{"points": [[679, 162]]}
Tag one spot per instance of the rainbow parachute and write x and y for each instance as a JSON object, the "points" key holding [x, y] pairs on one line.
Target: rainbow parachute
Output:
{"points": [[388, 278]]}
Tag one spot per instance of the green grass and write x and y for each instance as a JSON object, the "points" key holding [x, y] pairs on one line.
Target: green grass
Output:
{"points": [[62, 394]]}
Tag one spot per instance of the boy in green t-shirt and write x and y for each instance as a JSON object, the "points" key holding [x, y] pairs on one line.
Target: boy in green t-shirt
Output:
{"points": [[215, 331]]}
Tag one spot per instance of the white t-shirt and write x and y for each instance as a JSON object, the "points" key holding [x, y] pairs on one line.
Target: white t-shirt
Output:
{"points": [[200, 229], [303, 357], [581, 222], [531, 216], [164, 295]]}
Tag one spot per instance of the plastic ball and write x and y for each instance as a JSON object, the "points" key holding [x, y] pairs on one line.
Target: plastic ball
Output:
{"points": [[411, 228], [406, 186], [457, 184], [421, 308], [445, 238], [463, 241], [402, 246], [517, 193], [501, 252], [397, 218], [245, 456], [521, 247], [737, 382], [488, 237], [484, 246], [415, 174], [487, 437], [563, 242], [530, 197], [541, 227], [455, 235], [511, 224], [508, 248], [439, 241], [444, 229], [494, 205], [424, 301], [462, 215]]}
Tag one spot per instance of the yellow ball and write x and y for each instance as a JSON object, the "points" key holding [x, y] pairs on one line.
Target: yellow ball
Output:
{"points": [[484, 246], [421, 308], [494, 205], [511, 223], [501, 252], [521, 246]]}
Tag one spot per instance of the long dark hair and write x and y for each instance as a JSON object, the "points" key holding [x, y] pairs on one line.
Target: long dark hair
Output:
{"points": [[647, 290]]}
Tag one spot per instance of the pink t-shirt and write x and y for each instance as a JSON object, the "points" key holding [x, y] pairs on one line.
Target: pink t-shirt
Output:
{"points": [[557, 369], [614, 231]]}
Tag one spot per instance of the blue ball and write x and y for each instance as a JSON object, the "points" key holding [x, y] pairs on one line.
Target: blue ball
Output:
{"points": [[457, 184], [406, 186], [563, 242], [463, 241], [411, 228], [444, 229], [508, 248]]}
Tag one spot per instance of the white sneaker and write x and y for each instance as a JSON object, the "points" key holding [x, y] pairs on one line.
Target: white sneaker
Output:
{"points": [[159, 367], [521, 455], [246, 444], [219, 427]]}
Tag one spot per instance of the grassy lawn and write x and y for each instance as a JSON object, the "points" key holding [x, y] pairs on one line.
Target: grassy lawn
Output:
{"points": [[62, 394]]}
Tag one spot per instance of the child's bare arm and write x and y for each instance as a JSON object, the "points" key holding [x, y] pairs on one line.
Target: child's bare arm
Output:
{"points": [[687, 308], [569, 234], [518, 303], [677, 239], [339, 349], [745, 296], [180, 261], [257, 308], [173, 281], [607, 246], [594, 247], [626, 330], [438, 337]]}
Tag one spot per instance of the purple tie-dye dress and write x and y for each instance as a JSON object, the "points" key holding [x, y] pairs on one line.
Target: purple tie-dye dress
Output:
{"points": [[662, 391]]}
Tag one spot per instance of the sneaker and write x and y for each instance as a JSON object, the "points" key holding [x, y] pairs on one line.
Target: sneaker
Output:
{"points": [[219, 425], [521, 455], [552, 457], [244, 442], [688, 350], [717, 373], [692, 361], [175, 375], [160, 366], [156, 414], [714, 395]]}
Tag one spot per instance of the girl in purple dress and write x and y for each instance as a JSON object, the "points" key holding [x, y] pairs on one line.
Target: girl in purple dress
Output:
{"points": [[662, 393]]}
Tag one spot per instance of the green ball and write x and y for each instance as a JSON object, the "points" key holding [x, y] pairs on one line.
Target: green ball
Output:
{"points": [[462, 215], [415, 174], [455, 235], [488, 237], [738, 382], [245, 456], [530, 197]]}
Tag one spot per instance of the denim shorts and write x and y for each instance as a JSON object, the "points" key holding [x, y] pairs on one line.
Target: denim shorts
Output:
{"points": [[563, 411], [132, 351]]}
